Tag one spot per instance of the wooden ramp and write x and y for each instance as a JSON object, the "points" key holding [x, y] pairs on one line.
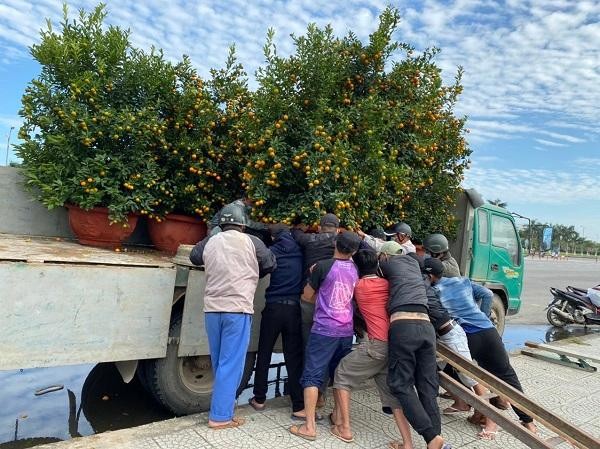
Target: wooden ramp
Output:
{"points": [[564, 430]]}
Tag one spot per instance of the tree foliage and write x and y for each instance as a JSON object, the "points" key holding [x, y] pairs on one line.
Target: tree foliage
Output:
{"points": [[364, 130], [350, 128]]}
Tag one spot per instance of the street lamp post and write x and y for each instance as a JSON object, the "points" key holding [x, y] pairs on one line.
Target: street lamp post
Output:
{"points": [[8, 143]]}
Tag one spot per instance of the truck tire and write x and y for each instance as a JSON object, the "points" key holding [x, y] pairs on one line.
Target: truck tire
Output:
{"points": [[498, 313], [183, 385]]}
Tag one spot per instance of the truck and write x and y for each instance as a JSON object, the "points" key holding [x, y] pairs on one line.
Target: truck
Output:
{"points": [[64, 303]]}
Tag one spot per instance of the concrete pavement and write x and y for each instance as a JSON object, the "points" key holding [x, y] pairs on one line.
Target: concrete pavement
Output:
{"points": [[571, 393]]}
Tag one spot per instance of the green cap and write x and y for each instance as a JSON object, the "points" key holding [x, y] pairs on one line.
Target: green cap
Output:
{"points": [[391, 248]]}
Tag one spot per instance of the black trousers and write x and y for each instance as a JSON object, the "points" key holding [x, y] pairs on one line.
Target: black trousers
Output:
{"points": [[412, 365], [281, 319], [488, 351]]}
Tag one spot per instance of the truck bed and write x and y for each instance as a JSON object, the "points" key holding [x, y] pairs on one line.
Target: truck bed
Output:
{"points": [[15, 248]]}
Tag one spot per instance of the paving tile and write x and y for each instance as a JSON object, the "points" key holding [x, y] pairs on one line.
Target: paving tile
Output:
{"points": [[185, 439], [145, 443]]}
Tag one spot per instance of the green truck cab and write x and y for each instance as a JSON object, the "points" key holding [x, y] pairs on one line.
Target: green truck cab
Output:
{"points": [[488, 250]]}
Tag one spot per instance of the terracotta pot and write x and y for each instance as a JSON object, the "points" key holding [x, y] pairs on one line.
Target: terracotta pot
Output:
{"points": [[176, 230], [92, 227]]}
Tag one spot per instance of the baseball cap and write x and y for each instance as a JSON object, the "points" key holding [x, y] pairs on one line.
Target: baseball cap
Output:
{"points": [[330, 220], [391, 248], [347, 242], [398, 228], [434, 266]]}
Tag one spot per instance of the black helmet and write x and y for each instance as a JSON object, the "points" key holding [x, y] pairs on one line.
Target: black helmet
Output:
{"points": [[399, 228], [436, 243], [233, 215]]}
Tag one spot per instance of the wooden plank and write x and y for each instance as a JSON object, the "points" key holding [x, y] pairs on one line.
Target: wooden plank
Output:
{"points": [[554, 422], [507, 423], [56, 315], [51, 250], [561, 351]]}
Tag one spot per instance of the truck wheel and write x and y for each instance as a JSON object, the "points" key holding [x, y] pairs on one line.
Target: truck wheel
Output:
{"points": [[498, 314], [184, 384]]}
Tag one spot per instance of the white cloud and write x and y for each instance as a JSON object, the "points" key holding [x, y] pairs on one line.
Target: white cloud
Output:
{"points": [[550, 143], [535, 186], [520, 57]]}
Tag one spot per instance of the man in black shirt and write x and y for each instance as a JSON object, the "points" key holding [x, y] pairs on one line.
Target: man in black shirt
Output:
{"points": [[412, 362]]}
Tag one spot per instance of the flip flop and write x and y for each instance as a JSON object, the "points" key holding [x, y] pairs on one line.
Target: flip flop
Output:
{"points": [[334, 431], [487, 435], [453, 411], [255, 405], [235, 422], [295, 430]]}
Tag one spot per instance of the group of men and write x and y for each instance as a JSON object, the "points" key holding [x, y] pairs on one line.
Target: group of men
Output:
{"points": [[322, 286]]}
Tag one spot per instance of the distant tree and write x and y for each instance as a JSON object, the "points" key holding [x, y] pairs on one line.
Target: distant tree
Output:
{"points": [[498, 202]]}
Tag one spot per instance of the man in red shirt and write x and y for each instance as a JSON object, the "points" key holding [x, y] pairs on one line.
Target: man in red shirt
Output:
{"points": [[370, 359]]}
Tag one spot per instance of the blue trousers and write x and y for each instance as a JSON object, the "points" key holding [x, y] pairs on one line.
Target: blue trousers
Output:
{"points": [[228, 338]]}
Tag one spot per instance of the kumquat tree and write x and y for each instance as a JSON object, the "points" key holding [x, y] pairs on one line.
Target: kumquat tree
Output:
{"points": [[345, 127]]}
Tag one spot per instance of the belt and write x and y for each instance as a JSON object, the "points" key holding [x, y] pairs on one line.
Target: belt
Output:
{"points": [[447, 327], [409, 316], [287, 302]]}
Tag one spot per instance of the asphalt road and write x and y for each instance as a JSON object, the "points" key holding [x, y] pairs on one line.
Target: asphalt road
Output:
{"points": [[540, 275]]}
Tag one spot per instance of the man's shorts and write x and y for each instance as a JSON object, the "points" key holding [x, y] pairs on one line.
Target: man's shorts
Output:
{"points": [[322, 355], [368, 361], [456, 340]]}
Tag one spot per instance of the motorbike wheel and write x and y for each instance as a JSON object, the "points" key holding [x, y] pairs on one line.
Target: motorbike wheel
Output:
{"points": [[554, 318]]}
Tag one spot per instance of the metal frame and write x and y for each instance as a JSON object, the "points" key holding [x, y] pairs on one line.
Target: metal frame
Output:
{"points": [[563, 357]]}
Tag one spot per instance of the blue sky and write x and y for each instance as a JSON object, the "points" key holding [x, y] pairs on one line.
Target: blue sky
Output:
{"points": [[531, 83]]}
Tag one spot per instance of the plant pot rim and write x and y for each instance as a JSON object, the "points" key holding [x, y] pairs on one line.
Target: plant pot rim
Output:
{"points": [[184, 218]]}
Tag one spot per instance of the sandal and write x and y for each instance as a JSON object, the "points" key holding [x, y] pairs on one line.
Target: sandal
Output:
{"points": [[336, 433], [395, 445], [295, 430], [487, 435], [256, 405], [453, 411], [235, 422]]}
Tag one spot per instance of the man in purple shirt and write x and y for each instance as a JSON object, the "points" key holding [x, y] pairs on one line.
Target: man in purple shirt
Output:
{"points": [[330, 286]]}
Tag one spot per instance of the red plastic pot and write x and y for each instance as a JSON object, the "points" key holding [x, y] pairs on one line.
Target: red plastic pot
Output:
{"points": [[92, 227], [176, 230]]}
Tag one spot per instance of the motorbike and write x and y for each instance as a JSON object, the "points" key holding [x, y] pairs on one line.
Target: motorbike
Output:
{"points": [[572, 306]]}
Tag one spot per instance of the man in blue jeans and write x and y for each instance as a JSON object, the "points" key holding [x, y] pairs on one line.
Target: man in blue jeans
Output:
{"points": [[233, 263]]}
